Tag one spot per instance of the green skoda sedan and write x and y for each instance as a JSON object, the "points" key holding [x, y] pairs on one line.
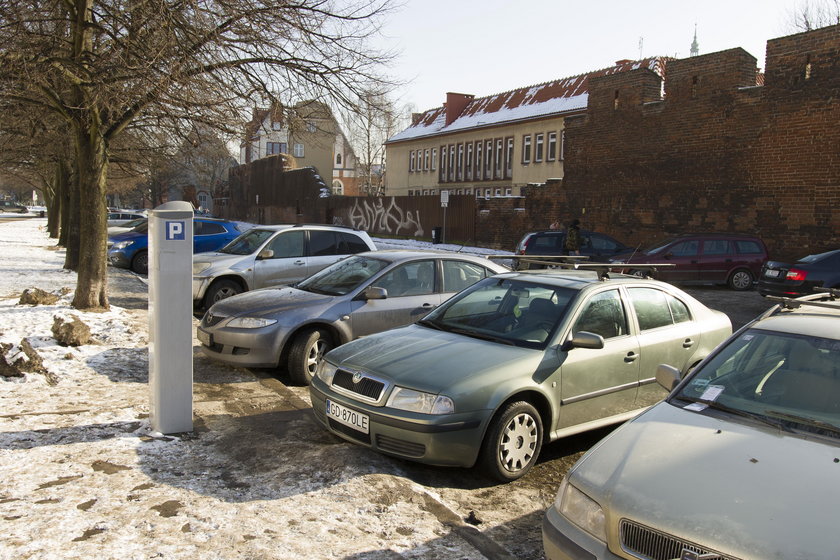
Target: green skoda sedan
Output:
{"points": [[515, 361]]}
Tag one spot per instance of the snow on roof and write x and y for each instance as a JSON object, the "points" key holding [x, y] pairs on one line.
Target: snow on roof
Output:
{"points": [[557, 97]]}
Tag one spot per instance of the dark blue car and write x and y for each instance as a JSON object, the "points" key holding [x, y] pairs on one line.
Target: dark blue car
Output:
{"points": [[801, 277], [130, 249]]}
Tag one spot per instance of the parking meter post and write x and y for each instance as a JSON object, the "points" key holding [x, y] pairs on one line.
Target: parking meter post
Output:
{"points": [[170, 317]]}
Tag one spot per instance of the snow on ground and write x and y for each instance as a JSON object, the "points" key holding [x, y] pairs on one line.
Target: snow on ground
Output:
{"points": [[82, 476]]}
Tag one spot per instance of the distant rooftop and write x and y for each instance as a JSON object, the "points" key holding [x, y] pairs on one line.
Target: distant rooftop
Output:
{"points": [[565, 95]]}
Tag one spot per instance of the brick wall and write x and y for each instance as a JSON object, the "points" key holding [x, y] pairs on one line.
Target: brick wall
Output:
{"points": [[716, 154]]}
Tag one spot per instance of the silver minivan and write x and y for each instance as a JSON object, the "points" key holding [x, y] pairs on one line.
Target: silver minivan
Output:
{"points": [[741, 461], [275, 255]]}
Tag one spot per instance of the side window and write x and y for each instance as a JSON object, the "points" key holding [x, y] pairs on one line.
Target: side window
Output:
{"points": [[208, 228], [685, 249], [717, 247], [287, 244], [749, 248], [601, 243], [651, 308], [352, 243], [458, 275], [679, 310], [603, 315], [323, 243], [421, 278], [396, 281]]}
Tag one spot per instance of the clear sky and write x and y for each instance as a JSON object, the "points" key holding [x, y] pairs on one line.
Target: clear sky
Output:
{"points": [[484, 47]]}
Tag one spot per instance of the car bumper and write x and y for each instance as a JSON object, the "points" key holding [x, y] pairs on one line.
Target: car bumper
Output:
{"points": [[452, 440], [119, 259], [245, 347], [562, 540]]}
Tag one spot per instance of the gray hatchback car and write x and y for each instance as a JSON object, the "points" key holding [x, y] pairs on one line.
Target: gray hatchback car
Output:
{"points": [[294, 326], [510, 363]]}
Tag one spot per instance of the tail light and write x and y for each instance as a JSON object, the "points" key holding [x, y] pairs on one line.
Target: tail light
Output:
{"points": [[796, 275]]}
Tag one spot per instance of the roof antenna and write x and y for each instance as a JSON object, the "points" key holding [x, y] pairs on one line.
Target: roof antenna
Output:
{"points": [[641, 46]]}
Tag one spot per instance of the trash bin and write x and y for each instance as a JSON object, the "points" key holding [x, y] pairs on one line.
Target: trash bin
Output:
{"points": [[437, 235]]}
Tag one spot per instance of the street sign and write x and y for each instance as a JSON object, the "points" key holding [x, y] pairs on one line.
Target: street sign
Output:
{"points": [[444, 199]]}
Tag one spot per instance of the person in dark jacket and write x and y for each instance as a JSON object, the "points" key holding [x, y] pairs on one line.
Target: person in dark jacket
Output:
{"points": [[572, 243]]}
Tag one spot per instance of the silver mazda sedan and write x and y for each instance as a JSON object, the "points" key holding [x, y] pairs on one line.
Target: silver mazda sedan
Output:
{"points": [[363, 294]]}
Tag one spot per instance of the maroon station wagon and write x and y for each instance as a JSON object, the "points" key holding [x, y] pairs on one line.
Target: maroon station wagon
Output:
{"points": [[704, 258]]}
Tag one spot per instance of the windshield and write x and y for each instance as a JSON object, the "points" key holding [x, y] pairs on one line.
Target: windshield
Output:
{"points": [[248, 242], [343, 277], [777, 376], [517, 312], [134, 223], [142, 227]]}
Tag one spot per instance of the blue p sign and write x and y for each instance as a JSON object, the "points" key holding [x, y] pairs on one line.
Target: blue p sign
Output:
{"points": [[174, 231]]}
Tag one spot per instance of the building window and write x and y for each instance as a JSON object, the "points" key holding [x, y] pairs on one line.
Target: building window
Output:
{"points": [[276, 126], [460, 162], [451, 171], [497, 169], [562, 145], [411, 161], [469, 161], [552, 146], [298, 150], [488, 159], [426, 160], [434, 159], [310, 126], [272, 148], [508, 191], [526, 148], [509, 159], [539, 141], [442, 176], [478, 160], [337, 188], [338, 159]]}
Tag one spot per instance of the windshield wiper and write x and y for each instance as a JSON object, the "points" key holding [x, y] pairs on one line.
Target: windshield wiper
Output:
{"points": [[430, 324], [737, 412], [804, 420], [482, 336]]}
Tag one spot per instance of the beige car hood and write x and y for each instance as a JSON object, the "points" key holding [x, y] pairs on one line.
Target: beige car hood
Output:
{"points": [[746, 490]]}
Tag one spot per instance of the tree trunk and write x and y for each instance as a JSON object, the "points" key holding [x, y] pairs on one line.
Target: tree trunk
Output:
{"points": [[92, 283], [70, 219]]}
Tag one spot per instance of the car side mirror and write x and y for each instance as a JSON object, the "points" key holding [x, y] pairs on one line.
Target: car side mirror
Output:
{"points": [[668, 376], [585, 339], [265, 254], [375, 292]]}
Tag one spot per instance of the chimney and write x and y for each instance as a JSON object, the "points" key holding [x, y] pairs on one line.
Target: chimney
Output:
{"points": [[455, 104]]}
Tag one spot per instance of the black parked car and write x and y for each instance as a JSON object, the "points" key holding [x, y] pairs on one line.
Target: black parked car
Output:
{"points": [[599, 247], [801, 277]]}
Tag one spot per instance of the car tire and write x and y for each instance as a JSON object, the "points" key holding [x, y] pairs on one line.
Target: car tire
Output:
{"points": [[740, 280], [140, 262], [221, 289], [512, 443], [308, 348]]}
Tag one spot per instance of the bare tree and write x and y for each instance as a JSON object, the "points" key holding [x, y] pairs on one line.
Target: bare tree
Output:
{"points": [[808, 15], [104, 66]]}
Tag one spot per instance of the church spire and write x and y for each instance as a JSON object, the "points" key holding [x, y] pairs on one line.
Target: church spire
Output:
{"points": [[695, 47]]}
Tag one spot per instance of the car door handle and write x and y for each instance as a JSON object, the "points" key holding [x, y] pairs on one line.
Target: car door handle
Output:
{"points": [[299, 263], [688, 343], [428, 306], [630, 357]]}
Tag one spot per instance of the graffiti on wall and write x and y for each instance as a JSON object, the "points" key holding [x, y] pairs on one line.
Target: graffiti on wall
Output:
{"points": [[372, 215]]}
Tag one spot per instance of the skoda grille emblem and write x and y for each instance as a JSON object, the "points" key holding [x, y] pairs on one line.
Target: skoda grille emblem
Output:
{"points": [[357, 377], [691, 555]]}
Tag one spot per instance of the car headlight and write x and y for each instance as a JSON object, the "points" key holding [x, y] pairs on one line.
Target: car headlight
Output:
{"points": [[122, 244], [199, 267], [325, 371], [581, 510], [417, 401], [250, 322]]}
